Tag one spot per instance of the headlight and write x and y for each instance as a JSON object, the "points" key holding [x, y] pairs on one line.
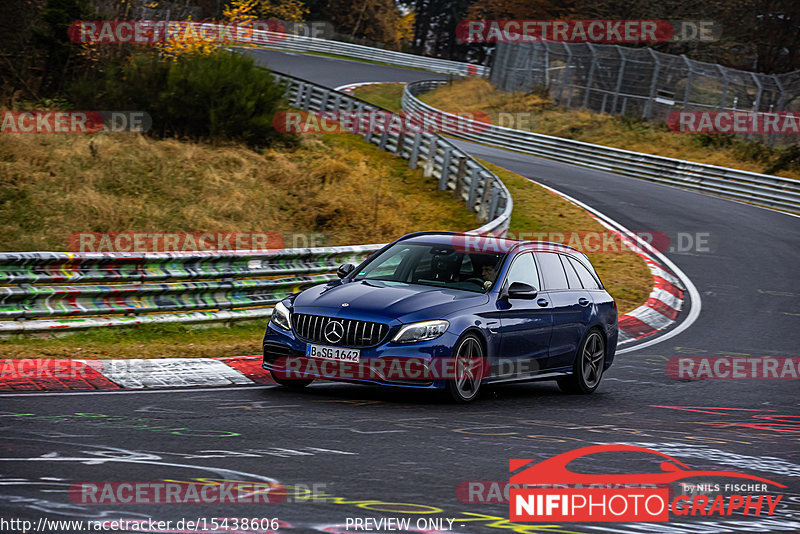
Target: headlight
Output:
{"points": [[280, 316], [421, 331]]}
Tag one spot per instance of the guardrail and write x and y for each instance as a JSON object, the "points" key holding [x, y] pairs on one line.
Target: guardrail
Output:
{"points": [[760, 189], [300, 43], [50, 291]]}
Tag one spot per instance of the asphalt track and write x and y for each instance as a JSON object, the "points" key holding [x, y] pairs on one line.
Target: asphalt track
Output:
{"points": [[363, 448]]}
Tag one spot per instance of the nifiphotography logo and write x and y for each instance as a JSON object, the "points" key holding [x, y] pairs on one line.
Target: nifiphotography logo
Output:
{"points": [[548, 491]]}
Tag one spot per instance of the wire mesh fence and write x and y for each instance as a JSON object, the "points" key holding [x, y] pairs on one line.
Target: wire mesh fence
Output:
{"points": [[641, 82]]}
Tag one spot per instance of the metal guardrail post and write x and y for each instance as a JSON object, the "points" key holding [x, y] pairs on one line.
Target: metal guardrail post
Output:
{"points": [[493, 203], [384, 138], [401, 144], [412, 160], [443, 179], [488, 185], [462, 169], [474, 175]]}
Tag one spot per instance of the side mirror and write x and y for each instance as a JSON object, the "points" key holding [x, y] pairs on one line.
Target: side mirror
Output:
{"points": [[521, 290], [345, 269]]}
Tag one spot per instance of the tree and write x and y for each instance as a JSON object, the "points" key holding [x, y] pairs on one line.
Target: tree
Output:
{"points": [[516, 9], [285, 10], [375, 20]]}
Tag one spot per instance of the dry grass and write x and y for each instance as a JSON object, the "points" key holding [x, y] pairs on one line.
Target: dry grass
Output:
{"points": [[587, 126], [385, 95], [52, 186]]}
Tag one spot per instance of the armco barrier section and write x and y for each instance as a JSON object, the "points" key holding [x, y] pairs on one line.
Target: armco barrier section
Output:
{"points": [[300, 43], [50, 291], [760, 189]]}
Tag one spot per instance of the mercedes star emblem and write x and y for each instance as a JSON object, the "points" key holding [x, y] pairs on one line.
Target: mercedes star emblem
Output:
{"points": [[334, 332]]}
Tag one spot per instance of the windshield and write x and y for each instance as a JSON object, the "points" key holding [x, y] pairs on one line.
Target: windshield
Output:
{"points": [[435, 265]]}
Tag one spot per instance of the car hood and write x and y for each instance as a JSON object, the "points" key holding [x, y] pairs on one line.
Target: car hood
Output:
{"points": [[406, 303]]}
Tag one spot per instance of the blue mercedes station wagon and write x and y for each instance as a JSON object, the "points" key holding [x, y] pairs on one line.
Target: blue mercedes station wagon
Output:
{"points": [[453, 312]]}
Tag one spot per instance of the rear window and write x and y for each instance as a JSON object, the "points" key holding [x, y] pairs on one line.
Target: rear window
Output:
{"points": [[587, 279], [572, 277], [552, 271]]}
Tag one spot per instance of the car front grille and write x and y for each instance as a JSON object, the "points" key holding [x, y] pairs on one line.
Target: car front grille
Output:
{"points": [[347, 333]]}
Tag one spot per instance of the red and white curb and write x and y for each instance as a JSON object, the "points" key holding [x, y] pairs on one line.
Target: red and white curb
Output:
{"points": [[82, 375]]}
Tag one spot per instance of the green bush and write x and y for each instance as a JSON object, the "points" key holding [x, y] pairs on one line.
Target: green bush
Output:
{"points": [[218, 97]]}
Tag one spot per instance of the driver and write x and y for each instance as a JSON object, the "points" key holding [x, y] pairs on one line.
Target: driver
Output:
{"points": [[488, 273], [485, 267]]}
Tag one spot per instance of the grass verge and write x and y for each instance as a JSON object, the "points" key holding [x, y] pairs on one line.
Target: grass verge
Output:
{"points": [[337, 185], [145, 341], [385, 95]]}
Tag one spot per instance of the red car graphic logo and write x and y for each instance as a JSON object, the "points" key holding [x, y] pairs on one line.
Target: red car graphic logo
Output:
{"points": [[554, 470]]}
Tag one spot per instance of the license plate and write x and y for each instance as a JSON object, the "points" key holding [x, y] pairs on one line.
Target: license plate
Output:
{"points": [[337, 354]]}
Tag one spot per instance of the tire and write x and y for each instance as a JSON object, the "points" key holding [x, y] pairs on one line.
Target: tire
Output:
{"points": [[588, 368], [290, 383], [469, 369]]}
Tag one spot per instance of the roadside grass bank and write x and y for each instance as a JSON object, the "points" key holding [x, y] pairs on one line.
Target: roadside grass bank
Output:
{"points": [[52, 186]]}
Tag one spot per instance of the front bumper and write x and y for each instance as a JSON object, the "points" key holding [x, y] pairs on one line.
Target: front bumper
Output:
{"points": [[418, 365]]}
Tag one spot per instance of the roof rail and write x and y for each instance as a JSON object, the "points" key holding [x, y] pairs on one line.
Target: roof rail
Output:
{"points": [[533, 243], [426, 232]]}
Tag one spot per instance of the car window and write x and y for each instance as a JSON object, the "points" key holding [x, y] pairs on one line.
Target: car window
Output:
{"points": [[524, 270], [434, 265], [387, 266], [572, 276], [588, 280], [552, 271], [466, 265]]}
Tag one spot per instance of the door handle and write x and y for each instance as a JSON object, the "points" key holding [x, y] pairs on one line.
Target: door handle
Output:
{"points": [[542, 302], [583, 301]]}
